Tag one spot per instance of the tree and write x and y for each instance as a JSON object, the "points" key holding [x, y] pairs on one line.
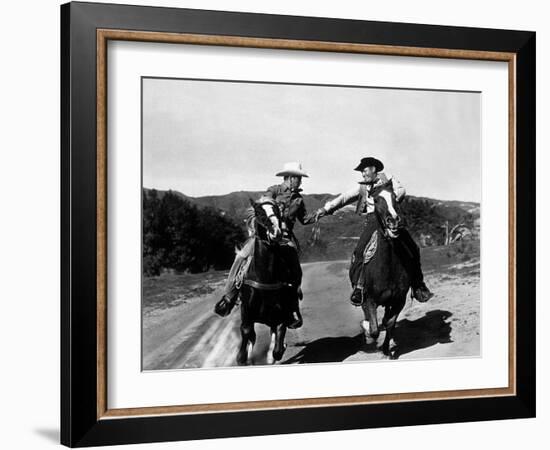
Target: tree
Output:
{"points": [[181, 236]]}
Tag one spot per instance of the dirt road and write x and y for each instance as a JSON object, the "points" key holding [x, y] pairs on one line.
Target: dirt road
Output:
{"points": [[190, 335]]}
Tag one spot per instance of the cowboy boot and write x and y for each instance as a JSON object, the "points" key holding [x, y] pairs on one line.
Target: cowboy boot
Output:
{"points": [[422, 293], [356, 297], [295, 320], [225, 305]]}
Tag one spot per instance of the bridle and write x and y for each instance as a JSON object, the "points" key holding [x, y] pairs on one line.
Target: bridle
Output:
{"points": [[386, 232]]}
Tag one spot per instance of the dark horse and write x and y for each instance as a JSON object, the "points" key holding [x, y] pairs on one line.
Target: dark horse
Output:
{"points": [[386, 280], [266, 296]]}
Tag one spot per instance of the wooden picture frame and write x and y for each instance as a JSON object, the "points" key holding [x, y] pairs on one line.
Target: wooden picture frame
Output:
{"points": [[86, 418]]}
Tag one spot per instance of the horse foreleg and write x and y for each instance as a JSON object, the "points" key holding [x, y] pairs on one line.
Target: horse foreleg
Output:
{"points": [[370, 324], [373, 319], [248, 338], [280, 347]]}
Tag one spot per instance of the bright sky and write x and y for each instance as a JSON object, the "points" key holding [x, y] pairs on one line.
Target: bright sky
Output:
{"points": [[213, 137]]}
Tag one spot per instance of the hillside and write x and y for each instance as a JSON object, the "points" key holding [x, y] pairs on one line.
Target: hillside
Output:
{"points": [[335, 236], [235, 203]]}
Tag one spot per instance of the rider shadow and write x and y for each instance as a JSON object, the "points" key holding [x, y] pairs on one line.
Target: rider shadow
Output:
{"points": [[432, 329], [328, 349]]}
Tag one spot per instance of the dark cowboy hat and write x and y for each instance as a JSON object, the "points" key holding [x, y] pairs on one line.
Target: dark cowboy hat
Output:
{"points": [[370, 161]]}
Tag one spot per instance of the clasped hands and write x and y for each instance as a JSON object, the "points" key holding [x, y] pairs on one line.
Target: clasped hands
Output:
{"points": [[314, 217]]}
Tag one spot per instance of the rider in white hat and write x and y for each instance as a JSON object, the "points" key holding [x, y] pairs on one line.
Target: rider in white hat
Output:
{"points": [[292, 169], [288, 198]]}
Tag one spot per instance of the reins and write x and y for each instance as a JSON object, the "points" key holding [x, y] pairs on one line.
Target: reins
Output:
{"points": [[257, 284]]}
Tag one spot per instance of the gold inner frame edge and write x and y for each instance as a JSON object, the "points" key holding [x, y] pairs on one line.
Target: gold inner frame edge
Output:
{"points": [[104, 35]]}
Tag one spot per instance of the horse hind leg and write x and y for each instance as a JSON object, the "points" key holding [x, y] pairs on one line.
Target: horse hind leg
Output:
{"points": [[279, 342], [389, 348], [270, 358]]}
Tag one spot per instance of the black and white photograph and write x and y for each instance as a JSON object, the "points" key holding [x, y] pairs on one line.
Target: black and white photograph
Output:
{"points": [[275, 225], [300, 224]]}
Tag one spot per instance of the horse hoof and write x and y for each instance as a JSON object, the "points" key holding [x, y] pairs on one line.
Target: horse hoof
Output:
{"points": [[277, 356], [366, 330], [391, 353]]}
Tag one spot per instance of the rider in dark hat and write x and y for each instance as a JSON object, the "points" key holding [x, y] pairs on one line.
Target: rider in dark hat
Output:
{"points": [[371, 169], [369, 161]]}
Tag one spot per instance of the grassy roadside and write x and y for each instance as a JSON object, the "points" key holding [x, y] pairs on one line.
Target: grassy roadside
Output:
{"points": [[170, 289]]}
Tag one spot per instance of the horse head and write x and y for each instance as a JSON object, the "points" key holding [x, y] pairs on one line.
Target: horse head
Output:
{"points": [[263, 225], [387, 209]]}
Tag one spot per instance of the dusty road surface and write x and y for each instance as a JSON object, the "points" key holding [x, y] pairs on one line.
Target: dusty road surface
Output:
{"points": [[185, 333]]}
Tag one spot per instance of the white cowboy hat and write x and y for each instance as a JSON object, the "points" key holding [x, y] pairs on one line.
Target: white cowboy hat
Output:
{"points": [[292, 168]]}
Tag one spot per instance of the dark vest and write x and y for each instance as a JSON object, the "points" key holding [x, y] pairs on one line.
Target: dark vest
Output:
{"points": [[362, 200]]}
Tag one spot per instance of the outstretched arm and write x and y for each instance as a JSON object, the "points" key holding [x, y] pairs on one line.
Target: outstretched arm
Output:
{"points": [[398, 188], [345, 198], [335, 204]]}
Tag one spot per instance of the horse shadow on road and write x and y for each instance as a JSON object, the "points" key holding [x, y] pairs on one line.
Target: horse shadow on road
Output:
{"points": [[410, 335], [328, 349], [431, 329]]}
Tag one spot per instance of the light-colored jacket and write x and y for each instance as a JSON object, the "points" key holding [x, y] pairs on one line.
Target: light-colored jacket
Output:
{"points": [[354, 194]]}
